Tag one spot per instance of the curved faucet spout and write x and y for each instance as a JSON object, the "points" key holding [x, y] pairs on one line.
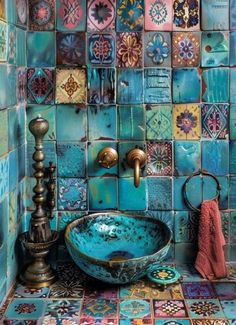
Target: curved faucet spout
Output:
{"points": [[136, 159], [136, 172]]}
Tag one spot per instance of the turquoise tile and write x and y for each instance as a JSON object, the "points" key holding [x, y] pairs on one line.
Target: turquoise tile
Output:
{"points": [[232, 227], [129, 87], [232, 192], [22, 162], [3, 290], [4, 204], [186, 227], [129, 15], [232, 157], [35, 309], [136, 200], [11, 50], [3, 132], [159, 193], [170, 322], [11, 86], [13, 128], [185, 253], [232, 122], [71, 159], [28, 191], [215, 15], [74, 116], [13, 167], [215, 49], [3, 88], [159, 122], [157, 49], [41, 49], [64, 218], [11, 11], [94, 168], [131, 122], [72, 194], [48, 113], [225, 225], [187, 157], [232, 15], [166, 216], [21, 127], [215, 157], [157, 86], [20, 47], [102, 193], [228, 307], [232, 85], [71, 15], [102, 123], [232, 53], [182, 93], [210, 190], [123, 148], [215, 92], [3, 41]]}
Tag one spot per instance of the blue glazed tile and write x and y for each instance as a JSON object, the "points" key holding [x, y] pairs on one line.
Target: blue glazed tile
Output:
{"points": [[232, 223], [11, 12], [159, 122], [63, 308], [182, 93], [102, 122], [210, 190], [4, 204], [3, 41], [129, 15], [101, 86], [71, 159], [232, 192], [215, 15], [124, 147], [40, 86], [3, 132], [215, 92], [131, 123], [157, 49], [215, 157], [70, 49], [159, 193], [232, 122], [131, 321], [64, 218], [40, 49], [166, 216], [13, 167], [170, 321], [74, 115], [11, 86], [3, 89], [215, 49], [21, 127], [187, 157], [13, 128], [232, 15], [229, 307], [225, 290], [129, 87], [25, 309], [20, 47], [225, 225], [72, 194], [71, 15], [101, 49], [48, 113], [3, 290], [232, 157], [136, 200], [4, 180], [94, 168], [185, 253], [139, 308], [186, 227], [103, 193], [11, 51], [28, 190], [24, 292], [157, 86], [232, 85], [232, 53]]}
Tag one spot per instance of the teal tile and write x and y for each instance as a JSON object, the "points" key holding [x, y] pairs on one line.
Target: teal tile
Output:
{"points": [[186, 227], [166, 216], [11, 11], [157, 86], [171, 322], [35, 309], [187, 157], [232, 15], [162, 186], [215, 15], [136, 200], [159, 122], [210, 189], [11, 50], [102, 193], [72, 194], [48, 113], [232, 122], [4, 204], [21, 127], [20, 47], [11, 86], [229, 307], [232, 222], [225, 225], [232, 55], [66, 217], [13, 128], [3, 132], [3, 41], [232, 85], [74, 116], [130, 17], [131, 122], [232, 192], [71, 15], [102, 123], [215, 92], [215, 157], [3, 88], [13, 167], [22, 162], [129, 87], [3, 290], [232, 157], [41, 49]]}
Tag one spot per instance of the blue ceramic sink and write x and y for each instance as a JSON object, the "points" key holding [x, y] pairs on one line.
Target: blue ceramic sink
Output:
{"points": [[115, 247]]}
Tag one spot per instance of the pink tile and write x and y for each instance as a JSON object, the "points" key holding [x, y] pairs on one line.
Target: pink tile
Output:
{"points": [[158, 15]]}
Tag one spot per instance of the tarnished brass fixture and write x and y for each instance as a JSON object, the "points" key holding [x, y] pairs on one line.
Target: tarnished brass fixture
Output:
{"points": [[107, 157], [136, 159]]}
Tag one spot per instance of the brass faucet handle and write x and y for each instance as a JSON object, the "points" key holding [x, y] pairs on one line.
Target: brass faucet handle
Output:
{"points": [[107, 157], [136, 158]]}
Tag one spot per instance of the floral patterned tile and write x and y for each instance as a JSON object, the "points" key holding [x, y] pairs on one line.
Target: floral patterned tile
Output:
{"points": [[63, 308], [101, 15], [69, 289], [126, 58], [136, 321], [204, 308], [25, 309], [209, 322], [71, 15], [104, 321], [3, 41], [42, 15], [48, 320], [157, 49], [159, 158], [69, 272], [169, 308], [135, 308], [129, 15], [186, 15], [198, 290], [72, 194], [24, 292], [101, 49], [99, 308], [158, 15]]}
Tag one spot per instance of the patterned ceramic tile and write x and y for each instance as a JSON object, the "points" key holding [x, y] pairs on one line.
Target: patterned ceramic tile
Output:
{"points": [[215, 120], [228, 307], [48, 320], [131, 122], [64, 218], [186, 122], [102, 290], [159, 122], [63, 308], [21, 12], [136, 200], [186, 49], [219, 93], [40, 86], [232, 226], [181, 92], [158, 15], [129, 89], [163, 186], [157, 86], [101, 15], [104, 321], [157, 49], [3, 89], [187, 157], [215, 49], [186, 227], [169, 308], [215, 157], [204, 308], [215, 15], [186, 15], [70, 86], [11, 51], [209, 322], [159, 158], [25, 309], [135, 308], [3, 41], [232, 83], [4, 168], [129, 15], [232, 122], [21, 85], [24, 292], [129, 50], [99, 308], [166, 216], [138, 290], [72, 194], [71, 15], [42, 15], [172, 322], [101, 49], [101, 86], [69, 272], [136, 321], [103, 193], [198, 290]]}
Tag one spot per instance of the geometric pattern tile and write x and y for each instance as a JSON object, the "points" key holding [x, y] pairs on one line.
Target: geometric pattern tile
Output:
{"points": [[158, 15], [169, 308], [99, 308], [71, 15], [25, 309], [101, 49], [24, 292], [72, 194], [129, 50], [159, 158], [42, 14], [215, 120], [3, 41], [63, 308], [40, 86], [204, 308], [101, 15], [159, 122], [209, 322], [157, 49], [135, 308], [186, 227], [129, 15], [70, 86], [186, 15], [21, 12], [198, 290], [171, 321]]}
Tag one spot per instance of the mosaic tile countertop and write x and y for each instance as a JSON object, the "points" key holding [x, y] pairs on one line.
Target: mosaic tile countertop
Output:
{"points": [[77, 299]]}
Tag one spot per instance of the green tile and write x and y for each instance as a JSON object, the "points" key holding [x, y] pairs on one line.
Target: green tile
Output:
{"points": [[159, 122]]}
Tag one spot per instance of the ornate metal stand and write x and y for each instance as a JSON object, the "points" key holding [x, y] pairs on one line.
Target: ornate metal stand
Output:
{"points": [[40, 238]]}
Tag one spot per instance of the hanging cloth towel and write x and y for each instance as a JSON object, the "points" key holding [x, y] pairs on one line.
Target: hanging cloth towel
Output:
{"points": [[210, 261]]}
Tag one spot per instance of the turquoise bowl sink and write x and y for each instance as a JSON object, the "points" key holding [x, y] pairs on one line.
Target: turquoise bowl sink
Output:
{"points": [[116, 247]]}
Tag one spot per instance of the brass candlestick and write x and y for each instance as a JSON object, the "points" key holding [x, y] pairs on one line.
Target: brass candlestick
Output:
{"points": [[39, 238]]}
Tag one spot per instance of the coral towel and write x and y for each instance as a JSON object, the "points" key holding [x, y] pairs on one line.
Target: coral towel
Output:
{"points": [[210, 261]]}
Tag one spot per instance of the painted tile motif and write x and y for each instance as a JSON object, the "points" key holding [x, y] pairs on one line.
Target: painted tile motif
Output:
{"points": [[186, 15], [23, 292], [204, 308], [3, 41], [186, 49], [158, 122], [21, 11], [157, 49], [40, 86], [71, 15], [99, 308], [209, 322], [129, 50], [25, 309], [101, 49], [159, 158], [63, 308], [198, 290], [136, 321], [135, 308], [158, 15], [70, 86], [4, 170], [186, 120], [42, 15], [186, 227], [163, 186], [169, 308], [129, 15], [215, 120], [72, 194], [101, 15], [11, 56], [157, 86]]}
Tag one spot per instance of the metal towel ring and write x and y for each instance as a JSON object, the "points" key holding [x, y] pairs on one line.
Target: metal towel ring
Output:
{"points": [[200, 172]]}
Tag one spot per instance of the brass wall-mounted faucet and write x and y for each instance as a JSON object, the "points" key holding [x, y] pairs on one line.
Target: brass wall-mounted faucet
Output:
{"points": [[107, 157], [136, 159]]}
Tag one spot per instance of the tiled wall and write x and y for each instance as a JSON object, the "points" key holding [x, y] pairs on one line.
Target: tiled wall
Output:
{"points": [[13, 16], [137, 73]]}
